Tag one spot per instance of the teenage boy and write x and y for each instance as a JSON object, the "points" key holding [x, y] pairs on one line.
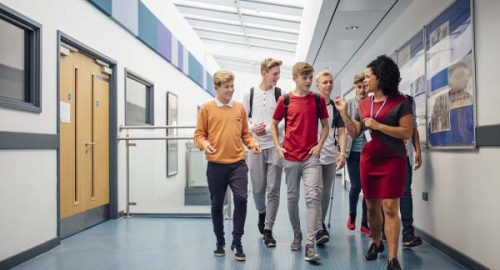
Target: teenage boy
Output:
{"points": [[221, 131], [332, 156], [354, 147], [301, 151], [265, 168]]}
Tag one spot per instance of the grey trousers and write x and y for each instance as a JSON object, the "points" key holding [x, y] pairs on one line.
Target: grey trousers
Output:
{"points": [[265, 175], [309, 170], [328, 176]]}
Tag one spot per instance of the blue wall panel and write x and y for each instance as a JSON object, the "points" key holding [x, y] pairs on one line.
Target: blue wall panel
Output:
{"points": [[147, 26], [103, 5], [126, 12]]}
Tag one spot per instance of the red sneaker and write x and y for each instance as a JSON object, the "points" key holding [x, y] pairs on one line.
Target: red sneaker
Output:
{"points": [[366, 231], [350, 224]]}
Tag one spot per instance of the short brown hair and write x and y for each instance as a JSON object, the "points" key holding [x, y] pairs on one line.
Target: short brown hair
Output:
{"points": [[322, 73], [269, 63], [302, 68], [223, 76], [358, 78]]}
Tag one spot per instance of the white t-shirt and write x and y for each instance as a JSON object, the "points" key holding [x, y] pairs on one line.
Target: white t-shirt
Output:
{"points": [[264, 103], [330, 151]]}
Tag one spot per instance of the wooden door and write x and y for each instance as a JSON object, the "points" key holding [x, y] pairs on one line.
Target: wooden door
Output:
{"points": [[84, 134]]}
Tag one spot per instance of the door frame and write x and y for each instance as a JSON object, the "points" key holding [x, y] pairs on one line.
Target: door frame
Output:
{"points": [[113, 120]]}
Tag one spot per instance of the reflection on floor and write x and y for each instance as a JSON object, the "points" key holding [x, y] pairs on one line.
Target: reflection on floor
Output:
{"points": [[187, 243]]}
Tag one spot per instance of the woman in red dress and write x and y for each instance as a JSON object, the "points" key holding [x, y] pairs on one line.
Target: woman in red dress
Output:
{"points": [[386, 121]]}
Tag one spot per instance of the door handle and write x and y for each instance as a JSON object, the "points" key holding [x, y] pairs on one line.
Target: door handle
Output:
{"points": [[87, 146]]}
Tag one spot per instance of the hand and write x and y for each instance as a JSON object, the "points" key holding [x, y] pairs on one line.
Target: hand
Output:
{"points": [[418, 160], [259, 129], [281, 151], [315, 151], [340, 161], [340, 104], [210, 149], [371, 124], [256, 149]]}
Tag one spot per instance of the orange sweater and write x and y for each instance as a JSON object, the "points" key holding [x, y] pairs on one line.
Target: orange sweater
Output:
{"points": [[225, 128]]}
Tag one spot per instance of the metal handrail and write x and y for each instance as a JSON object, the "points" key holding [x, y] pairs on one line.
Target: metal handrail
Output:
{"points": [[155, 127], [127, 140]]}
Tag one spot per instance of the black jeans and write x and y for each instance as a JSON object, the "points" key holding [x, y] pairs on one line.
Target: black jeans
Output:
{"points": [[406, 203], [355, 177], [219, 177]]}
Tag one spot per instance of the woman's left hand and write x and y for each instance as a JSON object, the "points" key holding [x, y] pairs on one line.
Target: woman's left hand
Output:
{"points": [[371, 124]]}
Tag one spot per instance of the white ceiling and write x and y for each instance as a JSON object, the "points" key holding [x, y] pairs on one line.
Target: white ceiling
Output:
{"points": [[240, 33]]}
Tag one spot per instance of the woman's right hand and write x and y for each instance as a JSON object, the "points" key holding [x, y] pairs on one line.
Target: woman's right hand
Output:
{"points": [[340, 104]]}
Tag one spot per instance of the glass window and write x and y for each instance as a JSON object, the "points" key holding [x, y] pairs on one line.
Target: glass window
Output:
{"points": [[139, 100], [12, 61], [19, 61]]}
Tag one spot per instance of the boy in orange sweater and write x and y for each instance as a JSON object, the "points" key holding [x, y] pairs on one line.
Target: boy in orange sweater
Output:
{"points": [[221, 131]]}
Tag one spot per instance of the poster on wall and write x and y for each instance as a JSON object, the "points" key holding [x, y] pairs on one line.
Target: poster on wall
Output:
{"points": [[411, 62], [450, 78]]}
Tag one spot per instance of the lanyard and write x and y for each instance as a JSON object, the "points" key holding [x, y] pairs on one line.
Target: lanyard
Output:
{"points": [[377, 113]]}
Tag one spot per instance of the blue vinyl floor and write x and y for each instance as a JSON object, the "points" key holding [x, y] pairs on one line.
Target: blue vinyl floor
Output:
{"points": [[187, 243]]}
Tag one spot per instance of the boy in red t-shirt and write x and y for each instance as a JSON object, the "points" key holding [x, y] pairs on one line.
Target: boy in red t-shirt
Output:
{"points": [[300, 152]]}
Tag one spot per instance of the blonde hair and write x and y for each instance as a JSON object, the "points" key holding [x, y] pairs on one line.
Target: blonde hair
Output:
{"points": [[223, 76], [359, 78], [302, 68], [269, 63], [322, 73]]}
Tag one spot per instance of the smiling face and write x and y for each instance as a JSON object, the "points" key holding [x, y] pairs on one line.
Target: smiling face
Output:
{"points": [[370, 81], [271, 76], [325, 85], [225, 91]]}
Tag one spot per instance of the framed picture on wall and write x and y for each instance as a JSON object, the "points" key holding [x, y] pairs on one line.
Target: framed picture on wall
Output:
{"points": [[172, 145]]}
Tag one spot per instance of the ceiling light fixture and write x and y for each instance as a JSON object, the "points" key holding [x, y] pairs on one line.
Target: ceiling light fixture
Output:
{"points": [[352, 27]]}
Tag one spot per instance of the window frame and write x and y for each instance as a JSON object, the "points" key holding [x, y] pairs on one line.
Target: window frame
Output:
{"points": [[149, 96], [32, 62]]}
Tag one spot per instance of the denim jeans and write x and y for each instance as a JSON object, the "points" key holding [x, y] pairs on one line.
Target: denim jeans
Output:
{"points": [[406, 203], [354, 176]]}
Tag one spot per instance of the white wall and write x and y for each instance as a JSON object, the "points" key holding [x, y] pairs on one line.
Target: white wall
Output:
{"points": [[463, 185], [29, 209]]}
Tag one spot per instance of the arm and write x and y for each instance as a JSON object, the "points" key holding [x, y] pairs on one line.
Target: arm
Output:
{"points": [[274, 135], [403, 131], [416, 145], [352, 126], [343, 145], [316, 150], [247, 137], [201, 132]]}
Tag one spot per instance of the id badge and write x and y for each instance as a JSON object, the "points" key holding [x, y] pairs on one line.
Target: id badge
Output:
{"points": [[368, 135]]}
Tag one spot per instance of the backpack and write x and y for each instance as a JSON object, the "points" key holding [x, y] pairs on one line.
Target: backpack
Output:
{"points": [[277, 94]]}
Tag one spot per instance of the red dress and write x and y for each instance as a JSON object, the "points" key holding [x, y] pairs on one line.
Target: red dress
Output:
{"points": [[383, 159]]}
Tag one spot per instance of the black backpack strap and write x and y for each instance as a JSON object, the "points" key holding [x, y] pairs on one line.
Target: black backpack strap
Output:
{"points": [[277, 93], [317, 102], [251, 103], [286, 103]]}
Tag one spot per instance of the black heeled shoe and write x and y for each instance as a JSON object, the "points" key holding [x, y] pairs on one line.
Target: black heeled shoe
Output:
{"points": [[393, 264], [373, 251]]}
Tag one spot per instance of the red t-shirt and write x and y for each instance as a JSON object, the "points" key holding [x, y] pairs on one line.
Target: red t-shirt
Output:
{"points": [[301, 132]]}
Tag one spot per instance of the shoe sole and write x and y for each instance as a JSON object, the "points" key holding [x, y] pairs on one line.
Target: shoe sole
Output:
{"points": [[414, 243], [313, 259], [270, 245], [240, 259], [295, 248], [322, 240], [219, 254]]}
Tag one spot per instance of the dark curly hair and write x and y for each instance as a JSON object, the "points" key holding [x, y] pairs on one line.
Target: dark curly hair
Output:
{"points": [[387, 73]]}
